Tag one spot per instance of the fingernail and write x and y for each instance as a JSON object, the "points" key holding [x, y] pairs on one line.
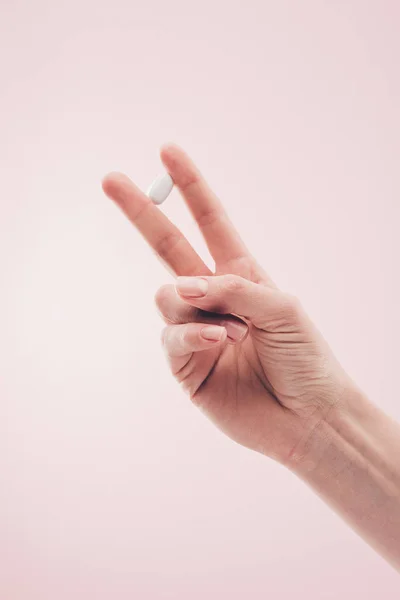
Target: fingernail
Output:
{"points": [[212, 333], [192, 287], [235, 329]]}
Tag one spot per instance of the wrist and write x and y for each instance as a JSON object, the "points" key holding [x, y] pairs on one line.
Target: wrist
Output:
{"points": [[354, 434], [350, 458]]}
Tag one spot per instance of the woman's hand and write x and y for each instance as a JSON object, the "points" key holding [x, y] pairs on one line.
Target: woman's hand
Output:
{"points": [[245, 351], [263, 373]]}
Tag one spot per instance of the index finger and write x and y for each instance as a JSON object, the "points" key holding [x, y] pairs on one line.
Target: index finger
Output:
{"points": [[163, 236]]}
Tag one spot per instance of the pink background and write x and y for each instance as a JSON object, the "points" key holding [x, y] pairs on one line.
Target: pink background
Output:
{"points": [[113, 485]]}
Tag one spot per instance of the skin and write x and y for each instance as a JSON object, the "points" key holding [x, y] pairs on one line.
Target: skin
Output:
{"points": [[251, 359]]}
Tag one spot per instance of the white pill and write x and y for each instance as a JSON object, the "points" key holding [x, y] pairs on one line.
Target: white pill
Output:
{"points": [[161, 188]]}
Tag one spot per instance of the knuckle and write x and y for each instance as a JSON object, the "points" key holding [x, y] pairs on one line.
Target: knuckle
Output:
{"points": [[232, 284], [192, 179], [292, 307], [164, 336], [209, 217], [184, 335], [162, 298], [167, 243]]}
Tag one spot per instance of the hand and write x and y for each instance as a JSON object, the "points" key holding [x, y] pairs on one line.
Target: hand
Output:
{"points": [[245, 351], [251, 359]]}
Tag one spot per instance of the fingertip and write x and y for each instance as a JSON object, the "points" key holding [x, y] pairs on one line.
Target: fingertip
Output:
{"points": [[114, 176], [111, 182], [169, 149], [213, 333], [173, 157]]}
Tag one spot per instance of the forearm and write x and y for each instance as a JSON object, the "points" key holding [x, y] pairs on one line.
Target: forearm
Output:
{"points": [[352, 460]]}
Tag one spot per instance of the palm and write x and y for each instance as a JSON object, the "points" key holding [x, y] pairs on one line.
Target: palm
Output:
{"points": [[236, 374], [234, 396]]}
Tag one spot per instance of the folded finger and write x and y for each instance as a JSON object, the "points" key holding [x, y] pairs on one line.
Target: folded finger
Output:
{"points": [[261, 305], [175, 310]]}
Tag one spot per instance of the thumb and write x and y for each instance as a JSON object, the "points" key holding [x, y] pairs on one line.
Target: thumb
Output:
{"points": [[261, 305]]}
